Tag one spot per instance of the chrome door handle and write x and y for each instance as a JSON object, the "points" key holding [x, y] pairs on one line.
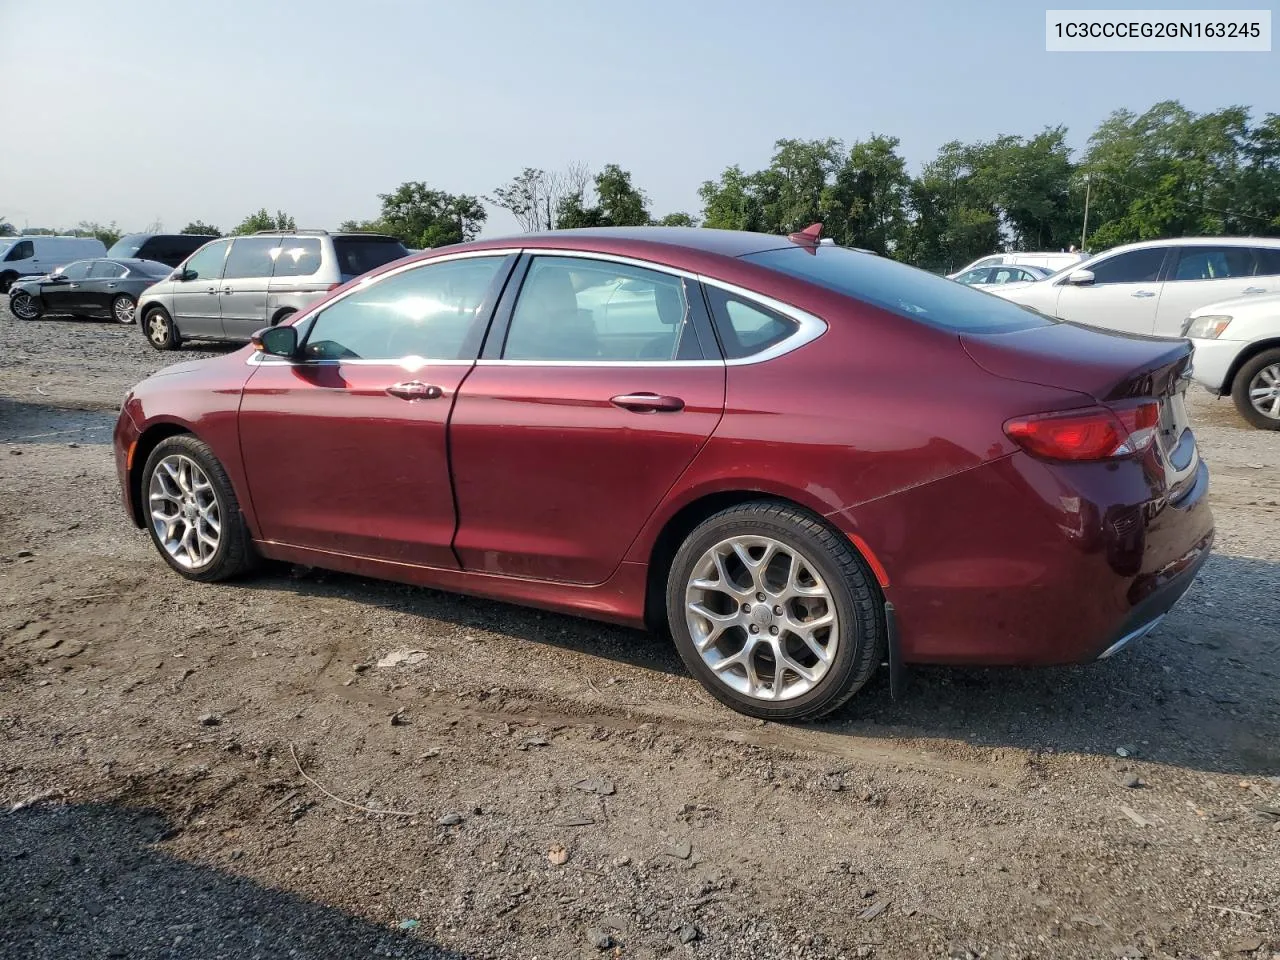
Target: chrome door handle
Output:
{"points": [[111, 286], [73, 286], [1142, 293], [213, 289], [647, 403], [415, 390], [226, 289], [1255, 289]]}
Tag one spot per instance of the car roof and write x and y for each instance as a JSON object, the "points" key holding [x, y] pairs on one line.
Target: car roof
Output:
{"points": [[726, 243], [1198, 242]]}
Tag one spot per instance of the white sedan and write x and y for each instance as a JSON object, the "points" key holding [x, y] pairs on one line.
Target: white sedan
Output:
{"points": [[1238, 354]]}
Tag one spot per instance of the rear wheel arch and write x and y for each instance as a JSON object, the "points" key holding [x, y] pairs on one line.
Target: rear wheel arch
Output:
{"points": [[685, 520], [281, 315]]}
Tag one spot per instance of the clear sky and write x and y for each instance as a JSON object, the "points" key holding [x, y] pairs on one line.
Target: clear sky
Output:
{"points": [[134, 110]]}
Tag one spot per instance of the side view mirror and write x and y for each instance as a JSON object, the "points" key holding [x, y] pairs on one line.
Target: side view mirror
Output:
{"points": [[1080, 278], [276, 341], [183, 276], [57, 278]]}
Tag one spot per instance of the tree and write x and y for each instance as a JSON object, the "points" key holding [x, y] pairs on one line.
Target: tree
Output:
{"points": [[108, 234], [261, 220], [678, 219], [362, 226], [732, 202], [621, 204], [200, 228], [423, 217], [866, 204], [7, 229]]}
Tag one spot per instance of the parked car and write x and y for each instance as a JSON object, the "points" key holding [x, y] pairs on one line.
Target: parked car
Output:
{"points": [[800, 458], [38, 255], [1152, 287], [89, 288], [233, 286], [1237, 354], [985, 277], [170, 248], [1046, 260]]}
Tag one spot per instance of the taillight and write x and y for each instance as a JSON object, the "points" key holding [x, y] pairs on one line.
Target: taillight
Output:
{"points": [[1088, 433]]}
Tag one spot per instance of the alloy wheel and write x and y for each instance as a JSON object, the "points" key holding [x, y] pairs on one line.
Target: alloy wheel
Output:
{"points": [[761, 617], [122, 309], [24, 307], [158, 328], [1264, 391], [184, 511]]}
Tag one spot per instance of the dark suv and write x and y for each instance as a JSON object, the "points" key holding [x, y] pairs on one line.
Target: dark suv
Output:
{"points": [[170, 248]]}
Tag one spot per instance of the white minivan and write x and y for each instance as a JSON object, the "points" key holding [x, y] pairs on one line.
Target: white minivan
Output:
{"points": [[34, 256], [1152, 287]]}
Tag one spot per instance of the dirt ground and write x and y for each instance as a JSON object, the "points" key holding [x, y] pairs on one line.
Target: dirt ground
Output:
{"points": [[561, 789]]}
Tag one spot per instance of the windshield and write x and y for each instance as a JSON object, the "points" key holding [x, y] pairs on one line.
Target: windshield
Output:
{"points": [[5, 245], [128, 245], [357, 255], [901, 289]]}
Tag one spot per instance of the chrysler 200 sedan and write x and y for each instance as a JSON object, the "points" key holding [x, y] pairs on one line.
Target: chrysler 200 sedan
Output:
{"points": [[801, 460]]}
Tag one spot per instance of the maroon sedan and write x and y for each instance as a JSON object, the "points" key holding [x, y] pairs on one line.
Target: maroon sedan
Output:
{"points": [[801, 460]]}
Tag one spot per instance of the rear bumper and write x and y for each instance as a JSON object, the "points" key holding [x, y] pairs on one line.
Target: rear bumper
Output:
{"points": [[1021, 562]]}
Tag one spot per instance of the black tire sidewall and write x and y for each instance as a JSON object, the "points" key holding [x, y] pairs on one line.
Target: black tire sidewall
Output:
{"points": [[228, 507], [833, 688], [1240, 389]]}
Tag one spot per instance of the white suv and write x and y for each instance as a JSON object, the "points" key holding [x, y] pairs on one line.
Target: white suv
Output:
{"points": [[1238, 353], [1153, 287]]}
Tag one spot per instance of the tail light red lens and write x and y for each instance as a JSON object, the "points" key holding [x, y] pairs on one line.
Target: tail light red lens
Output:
{"points": [[1089, 433]]}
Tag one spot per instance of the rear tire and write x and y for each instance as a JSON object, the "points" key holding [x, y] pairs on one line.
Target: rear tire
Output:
{"points": [[6, 281], [821, 613], [1261, 373], [123, 309], [25, 307], [160, 330], [282, 316], [192, 513]]}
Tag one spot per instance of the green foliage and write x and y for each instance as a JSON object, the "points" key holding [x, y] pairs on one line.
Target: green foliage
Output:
{"points": [[678, 219], [615, 202], [200, 228], [421, 217], [108, 234], [7, 229], [264, 221]]}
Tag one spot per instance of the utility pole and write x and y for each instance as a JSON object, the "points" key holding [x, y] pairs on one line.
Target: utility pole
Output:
{"points": [[1088, 182]]}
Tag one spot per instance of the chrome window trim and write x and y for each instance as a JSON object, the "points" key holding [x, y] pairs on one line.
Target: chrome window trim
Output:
{"points": [[809, 328], [257, 359], [634, 364]]}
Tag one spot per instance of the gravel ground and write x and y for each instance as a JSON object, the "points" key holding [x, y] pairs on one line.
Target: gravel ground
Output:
{"points": [[553, 788]]}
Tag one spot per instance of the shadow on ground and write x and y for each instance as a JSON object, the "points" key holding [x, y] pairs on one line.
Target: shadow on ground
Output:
{"points": [[1202, 691], [24, 423], [90, 881]]}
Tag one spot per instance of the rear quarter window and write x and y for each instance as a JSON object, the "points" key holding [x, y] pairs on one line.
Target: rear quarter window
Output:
{"points": [[898, 288], [357, 255]]}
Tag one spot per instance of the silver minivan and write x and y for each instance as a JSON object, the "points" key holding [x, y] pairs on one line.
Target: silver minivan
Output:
{"points": [[231, 287]]}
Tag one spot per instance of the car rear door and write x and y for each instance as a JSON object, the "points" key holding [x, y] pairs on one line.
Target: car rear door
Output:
{"points": [[1124, 294], [102, 285], [599, 384], [1203, 274], [196, 292], [346, 446], [243, 298]]}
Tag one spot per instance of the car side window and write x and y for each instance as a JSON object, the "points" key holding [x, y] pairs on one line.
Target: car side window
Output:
{"points": [[22, 250], [746, 328], [251, 258], [1136, 266], [1268, 261], [434, 311], [206, 263], [1214, 263], [973, 276], [106, 270], [296, 257], [576, 308], [76, 271]]}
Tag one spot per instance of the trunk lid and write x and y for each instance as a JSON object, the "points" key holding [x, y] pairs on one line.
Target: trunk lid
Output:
{"points": [[1110, 368]]}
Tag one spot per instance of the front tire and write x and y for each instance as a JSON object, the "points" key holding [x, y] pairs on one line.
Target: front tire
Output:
{"points": [[1256, 390], [25, 307], [123, 309], [774, 612], [192, 512], [160, 329]]}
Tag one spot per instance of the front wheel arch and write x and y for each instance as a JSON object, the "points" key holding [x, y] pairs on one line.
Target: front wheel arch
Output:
{"points": [[1243, 357], [149, 440]]}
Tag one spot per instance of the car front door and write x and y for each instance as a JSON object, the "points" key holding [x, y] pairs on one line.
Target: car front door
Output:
{"points": [[64, 292], [244, 285], [599, 384], [197, 290], [1202, 275], [345, 446], [1124, 294]]}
